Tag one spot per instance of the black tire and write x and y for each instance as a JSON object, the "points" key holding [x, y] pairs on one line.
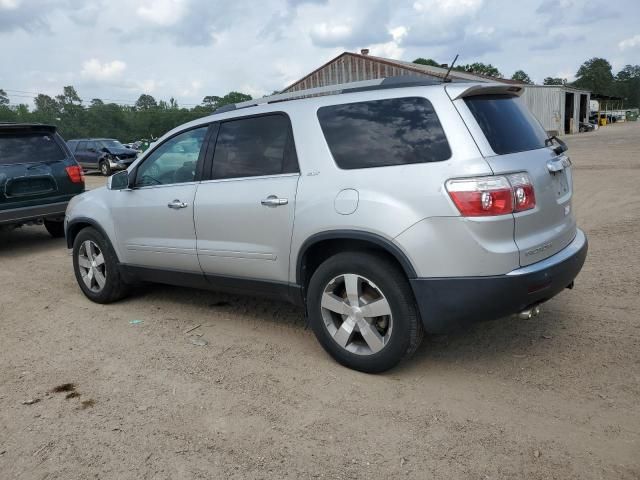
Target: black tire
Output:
{"points": [[115, 287], [105, 168], [55, 229], [407, 332]]}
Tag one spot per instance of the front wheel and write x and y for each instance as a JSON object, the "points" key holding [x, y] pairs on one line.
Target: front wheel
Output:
{"points": [[96, 267], [105, 168], [362, 311]]}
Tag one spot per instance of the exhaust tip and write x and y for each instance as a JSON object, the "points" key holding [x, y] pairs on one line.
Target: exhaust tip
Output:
{"points": [[525, 314], [529, 313]]}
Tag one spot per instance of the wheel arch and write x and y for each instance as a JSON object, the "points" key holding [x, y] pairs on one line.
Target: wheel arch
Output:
{"points": [[321, 246], [77, 224]]}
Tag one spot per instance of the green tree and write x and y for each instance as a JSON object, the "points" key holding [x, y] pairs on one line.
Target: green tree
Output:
{"points": [[69, 97], [554, 81], [4, 99], [521, 76], [627, 85], [47, 109], [595, 75], [480, 68], [212, 101], [148, 119], [145, 102], [426, 61]]}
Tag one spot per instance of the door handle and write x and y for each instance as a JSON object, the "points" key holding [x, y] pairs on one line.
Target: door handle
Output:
{"points": [[273, 201], [177, 204]]}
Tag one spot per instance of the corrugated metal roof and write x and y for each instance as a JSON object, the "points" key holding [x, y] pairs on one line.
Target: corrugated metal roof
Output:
{"points": [[391, 65]]}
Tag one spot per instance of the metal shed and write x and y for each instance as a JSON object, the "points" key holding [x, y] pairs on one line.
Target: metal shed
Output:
{"points": [[353, 67], [559, 108]]}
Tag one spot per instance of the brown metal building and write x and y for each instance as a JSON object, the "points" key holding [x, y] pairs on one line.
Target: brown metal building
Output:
{"points": [[354, 67]]}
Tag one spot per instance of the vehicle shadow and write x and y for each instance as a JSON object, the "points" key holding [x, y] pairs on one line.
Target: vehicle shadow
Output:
{"points": [[483, 347], [240, 307], [27, 241]]}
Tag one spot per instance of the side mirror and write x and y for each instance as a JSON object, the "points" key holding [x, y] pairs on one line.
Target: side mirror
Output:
{"points": [[118, 181]]}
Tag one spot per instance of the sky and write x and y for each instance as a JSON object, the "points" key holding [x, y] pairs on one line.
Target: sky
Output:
{"points": [[186, 49]]}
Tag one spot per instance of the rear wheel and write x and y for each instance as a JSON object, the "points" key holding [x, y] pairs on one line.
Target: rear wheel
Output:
{"points": [[55, 229], [363, 312], [105, 168], [96, 267]]}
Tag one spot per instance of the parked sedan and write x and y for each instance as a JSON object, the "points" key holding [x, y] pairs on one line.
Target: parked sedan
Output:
{"points": [[104, 154]]}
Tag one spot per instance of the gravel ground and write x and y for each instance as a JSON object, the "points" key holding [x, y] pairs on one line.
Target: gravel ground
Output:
{"points": [[553, 397]]}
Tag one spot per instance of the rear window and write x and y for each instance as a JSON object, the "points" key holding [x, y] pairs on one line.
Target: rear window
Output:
{"points": [[507, 123], [29, 148], [395, 131]]}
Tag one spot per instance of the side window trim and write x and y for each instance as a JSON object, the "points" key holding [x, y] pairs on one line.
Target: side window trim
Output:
{"points": [[201, 156], [289, 144]]}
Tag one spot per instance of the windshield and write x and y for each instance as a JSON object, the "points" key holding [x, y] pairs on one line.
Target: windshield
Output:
{"points": [[111, 144]]}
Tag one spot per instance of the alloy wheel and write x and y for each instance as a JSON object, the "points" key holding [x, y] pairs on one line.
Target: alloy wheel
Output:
{"points": [[356, 314], [93, 269]]}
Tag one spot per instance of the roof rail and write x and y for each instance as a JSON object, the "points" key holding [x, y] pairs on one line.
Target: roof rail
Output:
{"points": [[352, 87]]}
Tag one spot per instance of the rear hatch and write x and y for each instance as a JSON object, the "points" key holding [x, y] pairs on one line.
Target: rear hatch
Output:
{"points": [[512, 140], [33, 162]]}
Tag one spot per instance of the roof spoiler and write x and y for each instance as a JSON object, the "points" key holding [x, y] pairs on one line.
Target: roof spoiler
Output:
{"points": [[27, 127], [457, 91]]}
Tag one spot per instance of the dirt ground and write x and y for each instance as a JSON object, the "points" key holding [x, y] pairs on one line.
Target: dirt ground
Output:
{"points": [[553, 397]]}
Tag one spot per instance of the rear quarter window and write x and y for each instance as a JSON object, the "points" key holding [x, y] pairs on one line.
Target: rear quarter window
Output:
{"points": [[507, 123], [379, 133], [29, 148]]}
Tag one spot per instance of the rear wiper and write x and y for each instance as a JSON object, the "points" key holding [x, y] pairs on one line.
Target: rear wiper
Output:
{"points": [[561, 148]]}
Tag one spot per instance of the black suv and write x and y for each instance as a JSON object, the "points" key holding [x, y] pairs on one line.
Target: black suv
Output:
{"points": [[104, 154], [38, 176]]}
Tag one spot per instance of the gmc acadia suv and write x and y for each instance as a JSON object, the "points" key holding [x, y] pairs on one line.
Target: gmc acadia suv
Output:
{"points": [[387, 208]]}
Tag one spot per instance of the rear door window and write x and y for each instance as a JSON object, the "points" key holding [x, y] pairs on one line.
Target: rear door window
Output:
{"points": [[379, 133], [29, 148], [255, 146], [507, 123], [82, 147]]}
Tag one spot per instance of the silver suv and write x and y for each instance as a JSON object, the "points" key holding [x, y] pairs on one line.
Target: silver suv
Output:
{"points": [[386, 208]]}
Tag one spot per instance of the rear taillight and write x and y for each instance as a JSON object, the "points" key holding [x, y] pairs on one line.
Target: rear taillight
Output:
{"points": [[524, 198], [495, 195], [75, 173]]}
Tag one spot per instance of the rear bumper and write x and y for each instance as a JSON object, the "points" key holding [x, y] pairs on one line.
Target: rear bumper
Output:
{"points": [[27, 214], [448, 304]]}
